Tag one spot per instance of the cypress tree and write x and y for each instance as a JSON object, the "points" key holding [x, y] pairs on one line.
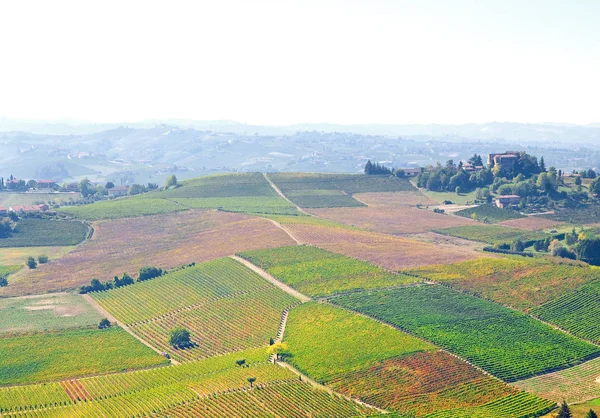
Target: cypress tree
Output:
{"points": [[564, 411], [591, 414]]}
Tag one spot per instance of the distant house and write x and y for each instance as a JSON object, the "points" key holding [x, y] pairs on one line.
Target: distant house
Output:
{"points": [[468, 167], [12, 184], [73, 187], [508, 200], [411, 172], [21, 209], [118, 191], [507, 160], [46, 184]]}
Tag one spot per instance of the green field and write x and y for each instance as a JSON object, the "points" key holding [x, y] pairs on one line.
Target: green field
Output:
{"points": [[314, 190], [244, 192], [6, 270], [492, 234], [490, 213], [190, 286], [577, 311], [316, 272], [32, 232], [327, 341], [458, 199], [52, 356], [53, 311], [505, 343], [519, 282]]}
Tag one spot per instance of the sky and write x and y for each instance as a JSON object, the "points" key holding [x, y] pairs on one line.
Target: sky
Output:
{"points": [[283, 62]]}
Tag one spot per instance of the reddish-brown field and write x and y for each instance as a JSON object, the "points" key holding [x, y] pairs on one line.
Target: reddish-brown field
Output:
{"points": [[164, 241], [395, 199], [422, 383], [531, 223], [392, 219], [392, 253]]}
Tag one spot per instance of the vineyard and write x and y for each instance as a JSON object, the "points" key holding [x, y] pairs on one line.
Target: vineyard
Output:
{"points": [[392, 253], [312, 190], [128, 207], [577, 311], [505, 343], [531, 223], [522, 283], [423, 383], [492, 234], [317, 272], [53, 311], [576, 384], [490, 213], [32, 232], [51, 356], [165, 241], [396, 220], [328, 342], [224, 305]]}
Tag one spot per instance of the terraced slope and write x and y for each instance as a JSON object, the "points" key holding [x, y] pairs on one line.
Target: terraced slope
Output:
{"points": [[505, 343]]}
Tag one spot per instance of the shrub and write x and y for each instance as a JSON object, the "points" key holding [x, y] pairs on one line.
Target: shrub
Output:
{"points": [[104, 323], [180, 338], [147, 273], [43, 259], [31, 263]]}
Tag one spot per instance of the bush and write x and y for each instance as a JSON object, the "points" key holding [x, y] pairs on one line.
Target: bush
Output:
{"points": [[438, 210], [180, 338], [31, 263], [147, 273], [43, 259], [3, 281], [104, 323], [517, 246]]}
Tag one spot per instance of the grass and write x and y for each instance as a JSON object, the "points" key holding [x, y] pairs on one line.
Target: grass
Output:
{"points": [[53, 311], [53, 356], [459, 199], [32, 232], [165, 241], [6, 270], [18, 255], [577, 311], [492, 234], [491, 213], [503, 342], [316, 272], [306, 220], [519, 282], [327, 342]]}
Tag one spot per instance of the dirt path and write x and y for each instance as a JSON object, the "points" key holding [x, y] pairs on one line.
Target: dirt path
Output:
{"points": [[267, 276], [280, 193], [122, 325], [284, 229]]}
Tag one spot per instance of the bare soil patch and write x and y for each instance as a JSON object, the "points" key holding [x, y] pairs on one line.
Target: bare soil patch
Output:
{"points": [[531, 223]]}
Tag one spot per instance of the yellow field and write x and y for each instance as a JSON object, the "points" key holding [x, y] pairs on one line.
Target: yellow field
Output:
{"points": [[17, 256]]}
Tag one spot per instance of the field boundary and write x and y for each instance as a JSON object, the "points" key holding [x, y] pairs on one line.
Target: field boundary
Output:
{"points": [[289, 290], [280, 193], [122, 325]]}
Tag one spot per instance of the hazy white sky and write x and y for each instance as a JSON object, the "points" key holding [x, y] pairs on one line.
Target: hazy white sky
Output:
{"points": [[281, 62]]}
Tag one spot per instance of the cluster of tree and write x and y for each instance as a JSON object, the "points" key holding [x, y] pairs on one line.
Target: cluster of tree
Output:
{"points": [[453, 178], [376, 169], [180, 338], [6, 227], [586, 174], [11, 184], [145, 273], [565, 412], [171, 182]]}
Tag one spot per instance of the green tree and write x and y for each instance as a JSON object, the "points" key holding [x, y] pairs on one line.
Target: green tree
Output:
{"points": [[104, 323], [251, 380], [180, 338], [578, 181], [591, 414], [43, 259], [588, 250], [172, 181], [6, 227], [240, 362], [564, 411], [542, 164], [147, 273], [595, 186], [3, 281], [86, 187], [31, 263], [109, 185], [517, 245], [279, 350]]}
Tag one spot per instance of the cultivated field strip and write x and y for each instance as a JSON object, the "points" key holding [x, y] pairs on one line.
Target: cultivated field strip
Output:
{"points": [[190, 286], [577, 311], [576, 384], [503, 342], [224, 325]]}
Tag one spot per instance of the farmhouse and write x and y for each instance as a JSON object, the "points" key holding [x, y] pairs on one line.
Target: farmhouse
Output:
{"points": [[46, 184], [508, 200], [507, 160], [411, 172], [468, 167], [118, 191], [28, 208]]}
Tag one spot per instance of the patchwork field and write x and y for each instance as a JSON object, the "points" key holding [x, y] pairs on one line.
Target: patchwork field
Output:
{"points": [[394, 371], [240, 192], [316, 272], [18, 255], [52, 356], [165, 241], [392, 220], [576, 384], [314, 190], [327, 342], [505, 343], [492, 234], [32, 232], [226, 307], [489, 214], [531, 223], [520, 282], [408, 198], [577, 311], [392, 253], [53, 311]]}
